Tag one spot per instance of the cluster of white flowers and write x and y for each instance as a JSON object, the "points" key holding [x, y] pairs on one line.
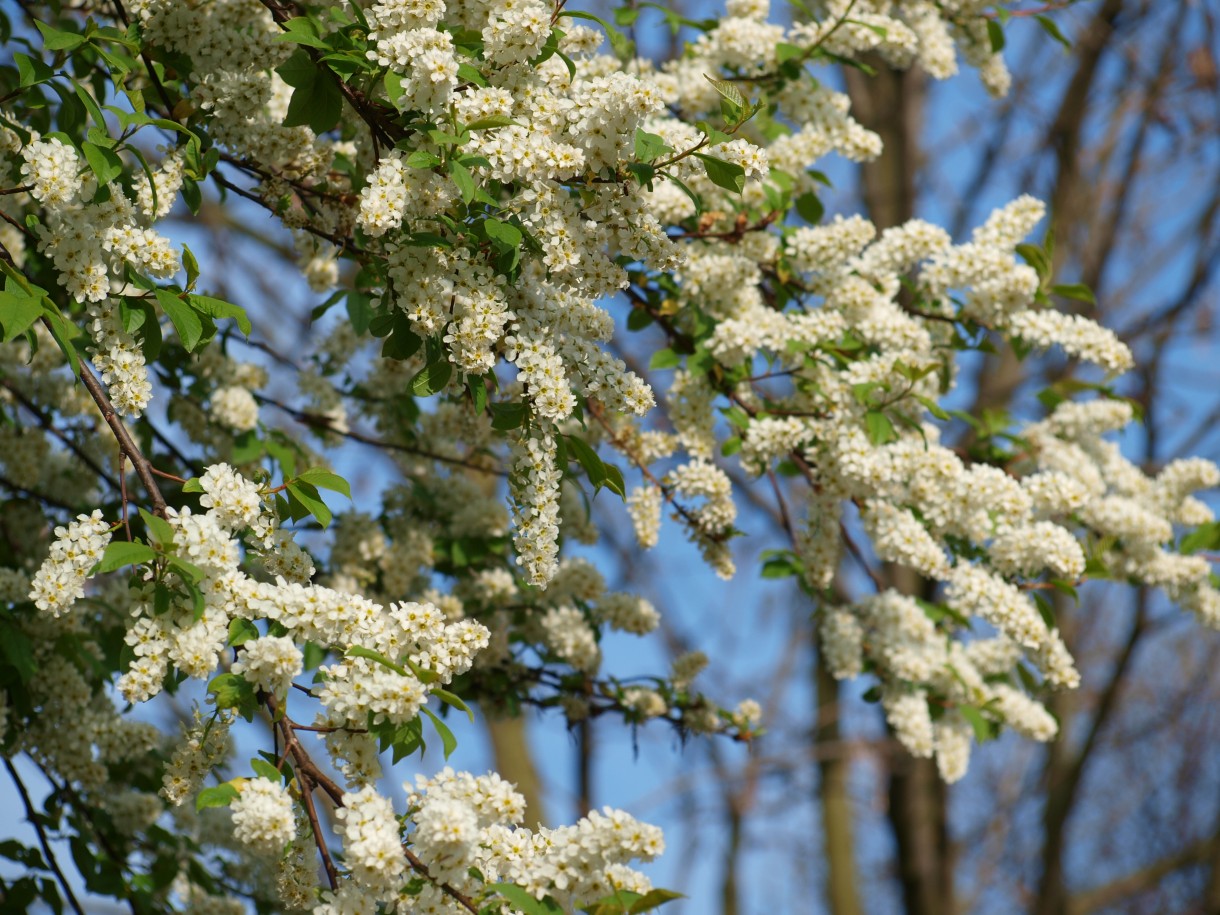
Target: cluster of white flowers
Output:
{"points": [[462, 822], [60, 580], [234, 406], [647, 703], [263, 817], [204, 745], [270, 663], [119, 360], [644, 506], [89, 242], [536, 510], [90, 237], [712, 521], [235, 502], [372, 846]]}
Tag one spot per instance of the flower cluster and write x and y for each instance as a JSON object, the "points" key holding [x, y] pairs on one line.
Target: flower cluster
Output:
{"points": [[60, 581], [263, 816]]}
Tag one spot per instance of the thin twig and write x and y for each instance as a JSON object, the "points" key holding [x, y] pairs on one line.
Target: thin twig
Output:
{"points": [[307, 786], [317, 421], [456, 895], [123, 494], [32, 816], [858, 555], [48, 424]]}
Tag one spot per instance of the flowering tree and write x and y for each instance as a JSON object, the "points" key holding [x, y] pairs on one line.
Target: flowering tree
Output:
{"points": [[494, 191]]}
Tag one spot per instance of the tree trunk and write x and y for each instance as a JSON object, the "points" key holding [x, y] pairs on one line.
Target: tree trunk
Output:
{"points": [[842, 890]]}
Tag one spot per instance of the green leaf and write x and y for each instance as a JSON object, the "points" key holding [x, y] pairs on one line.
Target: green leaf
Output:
{"points": [[728, 175], [1065, 587], [664, 359], [504, 235], [184, 318], [587, 458], [1204, 537], [523, 901], [314, 654], [219, 308], [492, 122], [653, 899], [1049, 26], [444, 138], [727, 91], [231, 691], [463, 179], [158, 528], [984, 730], [16, 647], [191, 195], [307, 496], [614, 480], [18, 311], [810, 208], [65, 334], [1078, 291], [316, 99], [55, 40], [714, 137], [1036, 258], [780, 564], [216, 796], [31, 71], [325, 479], [448, 741], [187, 570], [451, 700], [650, 147], [477, 389], [737, 417], [1046, 610], [105, 163], [933, 407], [995, 34], [241, 631], [265, 770], [422, 159], [785, 52], [880, 428], [189, 262], [121, 553], [433, 377], [508, 416], [638, 319], [469, 73], [304, 31]]}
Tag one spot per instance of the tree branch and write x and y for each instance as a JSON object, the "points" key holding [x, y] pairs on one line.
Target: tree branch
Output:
{"points": [[31, 816], [142, 467]]}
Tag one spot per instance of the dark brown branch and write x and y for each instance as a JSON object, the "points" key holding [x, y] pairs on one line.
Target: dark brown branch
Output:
{"points": [[142, 467], [307, 787]]}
